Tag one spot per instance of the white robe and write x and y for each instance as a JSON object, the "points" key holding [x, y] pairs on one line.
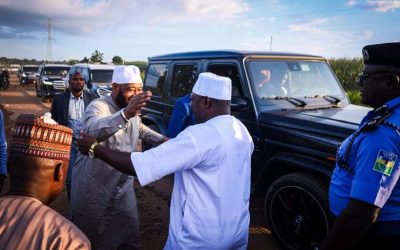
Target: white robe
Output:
{"points": [[103, 202], [210, 199]]}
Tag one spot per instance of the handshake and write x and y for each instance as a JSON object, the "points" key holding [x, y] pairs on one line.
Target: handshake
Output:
{"points": [[136, 103]]}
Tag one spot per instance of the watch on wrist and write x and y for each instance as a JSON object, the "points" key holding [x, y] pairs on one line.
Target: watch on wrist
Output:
{"points": [[91, 149]]}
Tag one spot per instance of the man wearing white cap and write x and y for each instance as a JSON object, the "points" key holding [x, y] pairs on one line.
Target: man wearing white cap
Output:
{"points": [[211, 161], [103, 202]]}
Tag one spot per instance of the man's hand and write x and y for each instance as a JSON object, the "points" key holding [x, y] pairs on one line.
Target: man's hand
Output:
{"points": [[136, 103], [84, 142]]}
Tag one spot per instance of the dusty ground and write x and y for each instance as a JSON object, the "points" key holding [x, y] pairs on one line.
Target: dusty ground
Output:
{"points": [[152, 200]]}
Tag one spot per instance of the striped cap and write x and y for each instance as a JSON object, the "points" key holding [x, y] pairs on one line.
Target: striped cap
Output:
{"points": [[34, 137]]}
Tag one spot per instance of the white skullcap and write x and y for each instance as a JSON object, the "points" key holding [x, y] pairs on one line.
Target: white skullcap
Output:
{"points": [[126, 74], [213, 86]]}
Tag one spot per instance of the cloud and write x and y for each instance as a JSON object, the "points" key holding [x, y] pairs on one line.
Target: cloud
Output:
{"points": [[7, 32], [77, 17], [310, 28], [376, 5], [383, 6], [352, 3]]}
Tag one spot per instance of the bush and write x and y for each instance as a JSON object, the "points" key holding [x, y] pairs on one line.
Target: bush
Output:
{"points": [[347, 70]]}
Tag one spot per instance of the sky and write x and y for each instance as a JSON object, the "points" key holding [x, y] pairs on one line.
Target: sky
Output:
{"points": [[137, 29]]}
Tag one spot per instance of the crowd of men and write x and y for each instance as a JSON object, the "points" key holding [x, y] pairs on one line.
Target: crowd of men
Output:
{"points": [[209, 152]]}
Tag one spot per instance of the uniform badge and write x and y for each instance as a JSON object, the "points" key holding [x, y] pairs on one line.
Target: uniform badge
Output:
{"points": [[385, 162]]}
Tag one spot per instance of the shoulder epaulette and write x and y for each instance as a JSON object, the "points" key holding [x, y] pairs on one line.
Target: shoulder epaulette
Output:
{"points": [[380, 115]]}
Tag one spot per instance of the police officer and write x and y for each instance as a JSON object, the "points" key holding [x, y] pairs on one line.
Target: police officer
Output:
{"points": [[365, 191]]}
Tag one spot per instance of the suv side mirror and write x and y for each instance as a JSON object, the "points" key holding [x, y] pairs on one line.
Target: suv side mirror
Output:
{"points": [[238, 103]]}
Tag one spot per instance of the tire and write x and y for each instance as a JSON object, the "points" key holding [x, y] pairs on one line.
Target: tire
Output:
{"points": [[145, 145], [297, 211]]}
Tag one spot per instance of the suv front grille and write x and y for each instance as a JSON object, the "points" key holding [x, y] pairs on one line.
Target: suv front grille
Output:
{"points": [[58, 85]]}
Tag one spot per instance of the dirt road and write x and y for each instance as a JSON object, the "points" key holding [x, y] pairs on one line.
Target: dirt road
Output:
{"points": [[152, 200]]}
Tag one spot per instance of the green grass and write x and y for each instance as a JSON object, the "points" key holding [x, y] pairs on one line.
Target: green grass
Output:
{"points": [[354, 96]]}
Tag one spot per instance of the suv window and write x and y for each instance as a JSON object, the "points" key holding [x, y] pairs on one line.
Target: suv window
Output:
{"points": [[296, 78], [155, 78], [56, 71], [183, 79], [101, 76], [231, 72]]}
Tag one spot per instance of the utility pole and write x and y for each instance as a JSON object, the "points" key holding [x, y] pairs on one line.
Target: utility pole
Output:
{"points": [[48, 54]]}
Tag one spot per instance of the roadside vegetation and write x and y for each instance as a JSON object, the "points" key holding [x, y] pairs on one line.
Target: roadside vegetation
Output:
{"points": [[347, 71]]}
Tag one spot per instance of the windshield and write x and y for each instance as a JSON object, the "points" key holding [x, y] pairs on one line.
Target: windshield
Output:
{"points": [[102, 75], [30, 69], [56, 71], [298, 79]]}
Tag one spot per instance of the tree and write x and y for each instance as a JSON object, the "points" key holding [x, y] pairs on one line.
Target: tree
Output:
{"points": [[97, 56], [84, 60], [117, 60]]}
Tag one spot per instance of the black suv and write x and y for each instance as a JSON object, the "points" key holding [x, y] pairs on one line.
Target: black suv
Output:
{"points": [[50, 79], [297, 113], [26, 74]]}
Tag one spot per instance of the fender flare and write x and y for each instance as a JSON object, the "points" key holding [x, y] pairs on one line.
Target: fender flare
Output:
{"points": [[285, 163]]}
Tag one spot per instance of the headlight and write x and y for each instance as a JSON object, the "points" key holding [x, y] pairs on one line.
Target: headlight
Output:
{"points": [[47, 82], [23, 75]]}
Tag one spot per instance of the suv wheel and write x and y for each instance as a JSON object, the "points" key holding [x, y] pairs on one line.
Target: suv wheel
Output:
{"points": [[296, 210]]}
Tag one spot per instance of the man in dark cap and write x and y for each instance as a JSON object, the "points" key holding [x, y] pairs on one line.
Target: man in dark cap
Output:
{"points": [[38, 163], [365, 189]]}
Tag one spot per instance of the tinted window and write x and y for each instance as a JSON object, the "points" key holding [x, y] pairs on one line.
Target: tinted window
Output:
{"points": [[56, 71], [183, 80], [228, 71], [101, 75], [30, 69], [156, 78]]}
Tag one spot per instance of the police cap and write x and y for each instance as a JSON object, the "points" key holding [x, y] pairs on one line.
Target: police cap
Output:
{"points": [[385, 54]]}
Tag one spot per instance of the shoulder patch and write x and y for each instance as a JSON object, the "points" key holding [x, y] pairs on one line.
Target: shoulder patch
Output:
{"points": [[385, 162]]}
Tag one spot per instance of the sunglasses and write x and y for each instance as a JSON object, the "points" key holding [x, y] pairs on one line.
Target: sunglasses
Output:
{"points": [[364, 76]]}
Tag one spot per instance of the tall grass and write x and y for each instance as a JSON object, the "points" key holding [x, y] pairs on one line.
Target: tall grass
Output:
{"points": [[347, 71]]}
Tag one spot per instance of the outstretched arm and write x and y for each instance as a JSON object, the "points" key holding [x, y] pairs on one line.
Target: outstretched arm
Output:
{"points": [[118, 160]]}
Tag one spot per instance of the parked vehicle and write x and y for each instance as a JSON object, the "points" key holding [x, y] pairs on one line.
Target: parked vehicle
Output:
{"points": [[98, 77], [295, 129], [27, 75], [50, 79], [14, 68]]}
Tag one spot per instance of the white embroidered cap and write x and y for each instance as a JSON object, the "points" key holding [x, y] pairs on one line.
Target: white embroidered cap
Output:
{"points": [[213, 86], [126, 74]]}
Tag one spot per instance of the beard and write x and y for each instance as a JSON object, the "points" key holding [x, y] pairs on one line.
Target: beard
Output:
{"points": [[76, 88], [121, 100]]}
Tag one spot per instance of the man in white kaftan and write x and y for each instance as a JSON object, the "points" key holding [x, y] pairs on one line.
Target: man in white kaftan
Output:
{"points": [[211, 162], [103, 202]]}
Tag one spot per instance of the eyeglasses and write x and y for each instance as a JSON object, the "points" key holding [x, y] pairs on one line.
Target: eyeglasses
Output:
{"points": [[363, 76]]}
